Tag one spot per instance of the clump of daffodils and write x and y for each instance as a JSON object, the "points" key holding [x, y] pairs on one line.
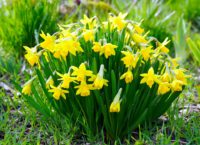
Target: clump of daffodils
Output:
{"points": [[111, 72]]}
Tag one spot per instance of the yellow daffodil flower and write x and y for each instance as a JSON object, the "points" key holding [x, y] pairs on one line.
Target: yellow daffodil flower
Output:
{"points": [[179, 74], [162, 46], [90, 22], [138, 29], [115, 105], [139, 38], [146, 52], [97, 47], [98, 79], [163, 88], [49, 82], [48, 43], [128, 76], [88, 35], [108, 50], [149, 78], [58, 92], [66, 80], [176, 85], [27, 87], [130, 60], [166, 77], [83, 89], [32, 56], [118, 21], [81, 72]]}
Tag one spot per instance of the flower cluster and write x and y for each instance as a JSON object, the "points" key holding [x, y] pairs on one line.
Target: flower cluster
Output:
{"points": [[96, 59]]}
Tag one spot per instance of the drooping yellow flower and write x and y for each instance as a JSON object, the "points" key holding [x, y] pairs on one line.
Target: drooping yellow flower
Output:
{"points": [[179, 74], [49, 82], [81, 72], [166, 77], [108, 50], [130, 60], [97, 47], [98, 79], [48, 43], [176, 85], [66, 80], [58, 92], [139, 38], [83, 89], [90, 22], [149, 78], [115, 105], [27, 87], [88, 35], [162, 46], [118, 21], [32, 56], [138, 29], [163, 88], [146, 52], [128, 76]]}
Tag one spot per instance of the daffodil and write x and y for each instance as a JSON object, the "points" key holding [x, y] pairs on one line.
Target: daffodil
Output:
{"points": [[83, 89], [137, 38], [98, 79], [88, 35], [149, 78], [115, 105], [58, 92], [32, 56], [163, 88], [90, 22], [66, 80], [146, 52], [130, 59], [118, 21], [128, 76], [49, 82], [162, 46], [97, 47], [81, 72], [27, 87], [176, 85], [138, 29], [108, 50], [166, 77], [179, 74], [48, 43]]}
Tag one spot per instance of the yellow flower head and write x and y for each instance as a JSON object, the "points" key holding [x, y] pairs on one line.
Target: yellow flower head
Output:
{"points": [[48, 43], [81, 72], [130, 60], [128, 76], [83, 89], [97, 47], [163, 88], [179, 74], [49, 82], [166, 77], [146, 52], [90, 22], [149, 77], [115, 105], [139, 38], [138, 29], [27, 87], [176, 85], [118, 21], [98, 79], [108, 50], [66, 80], [162, 46], [88, 35], [58, 92], [32, 56]]}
